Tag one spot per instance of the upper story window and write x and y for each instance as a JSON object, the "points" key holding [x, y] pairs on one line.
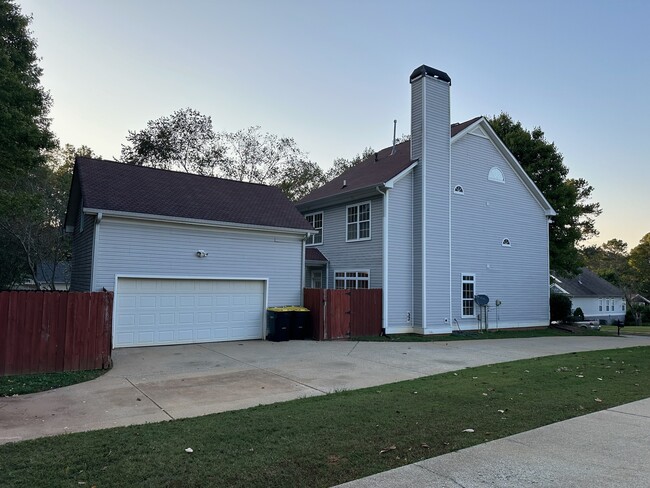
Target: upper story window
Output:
{"points": [[316, 221], [458, 190], [496, 174], [506, 242], [351, 279], [358, 222]]}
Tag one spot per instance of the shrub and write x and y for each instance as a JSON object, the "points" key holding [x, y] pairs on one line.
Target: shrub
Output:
{"points": [[560, 307], [578, 314]]}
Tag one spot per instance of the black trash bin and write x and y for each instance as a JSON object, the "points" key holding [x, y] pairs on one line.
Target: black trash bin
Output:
{"points": [[279, 323], [300, 323]]}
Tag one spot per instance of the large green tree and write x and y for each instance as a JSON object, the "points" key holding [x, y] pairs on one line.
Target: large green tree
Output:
{"points": [[182, 141], [571, 198], [31, 220], [25, 137], [640, 264], [24, 104], [186, 141]]}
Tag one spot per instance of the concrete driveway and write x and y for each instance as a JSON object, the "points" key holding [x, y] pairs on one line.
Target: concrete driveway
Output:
{"points": [[162, 383]]}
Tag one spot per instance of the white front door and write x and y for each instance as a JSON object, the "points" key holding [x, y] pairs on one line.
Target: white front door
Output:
{"points": [[152, 311], [317, 278]]}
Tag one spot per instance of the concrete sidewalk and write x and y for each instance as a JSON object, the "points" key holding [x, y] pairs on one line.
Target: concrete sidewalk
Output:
{"points": [[610, 448], [162, 383]]}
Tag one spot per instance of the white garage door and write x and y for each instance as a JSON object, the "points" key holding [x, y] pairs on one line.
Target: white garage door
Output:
{"points": [[168, 311]]}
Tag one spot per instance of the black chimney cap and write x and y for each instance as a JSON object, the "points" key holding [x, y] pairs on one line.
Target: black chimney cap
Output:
{"points": [[427, 70]]}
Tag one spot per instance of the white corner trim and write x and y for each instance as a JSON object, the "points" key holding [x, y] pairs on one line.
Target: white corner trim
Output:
{"points": [[423, 158]]}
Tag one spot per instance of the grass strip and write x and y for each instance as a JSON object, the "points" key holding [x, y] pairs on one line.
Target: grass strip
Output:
{"points": [[473, 334], [628, 329], [33, 383], [322, 441]]}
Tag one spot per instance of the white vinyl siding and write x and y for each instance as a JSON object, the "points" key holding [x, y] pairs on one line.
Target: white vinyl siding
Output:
{"points": [[358, 222], [595, 308], [400, 255], [487, 214], [316, 220], [82, 252], [149, 249], [366, 254]]}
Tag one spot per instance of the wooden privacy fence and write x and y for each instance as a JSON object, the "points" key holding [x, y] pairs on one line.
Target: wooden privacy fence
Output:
{"points": [[341, 314], [42, 332]]}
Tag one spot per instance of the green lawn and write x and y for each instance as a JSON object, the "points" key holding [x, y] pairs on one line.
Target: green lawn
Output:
{"points": [[628, 329], [474, 335], [322, 441], [32, 383]]}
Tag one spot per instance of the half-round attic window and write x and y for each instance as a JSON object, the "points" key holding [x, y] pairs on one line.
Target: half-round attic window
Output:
{"points": [[496, 174], [458, 190], [505, 242]]}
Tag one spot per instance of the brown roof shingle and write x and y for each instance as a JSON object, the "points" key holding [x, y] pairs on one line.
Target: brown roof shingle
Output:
{"points": [[374, 170], [314, 254], [109, 185]]}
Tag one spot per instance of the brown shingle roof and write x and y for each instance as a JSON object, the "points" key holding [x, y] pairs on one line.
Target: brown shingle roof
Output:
{"points": [[588, 284], [314, 254], [374, 170], [109, 185]]}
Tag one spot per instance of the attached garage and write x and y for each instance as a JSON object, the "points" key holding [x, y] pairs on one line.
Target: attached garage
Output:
{"points": [[190, 258], [157, 311]]}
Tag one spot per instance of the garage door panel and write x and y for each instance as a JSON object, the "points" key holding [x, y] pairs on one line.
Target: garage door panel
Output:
{"points": [[167, 311]]}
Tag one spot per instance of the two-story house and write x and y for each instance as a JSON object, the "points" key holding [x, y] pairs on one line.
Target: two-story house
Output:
{"points": [[435, 221]]}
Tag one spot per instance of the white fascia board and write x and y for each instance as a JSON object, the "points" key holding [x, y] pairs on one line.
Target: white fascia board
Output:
{"points": [[184, 220], [519, 171], [558, 287], [346, 198], [391, 183]]}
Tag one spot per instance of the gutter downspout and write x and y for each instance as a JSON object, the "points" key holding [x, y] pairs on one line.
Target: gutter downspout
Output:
{"points": [[302, 272], [384, 278], [451, 308], [98, 220]]}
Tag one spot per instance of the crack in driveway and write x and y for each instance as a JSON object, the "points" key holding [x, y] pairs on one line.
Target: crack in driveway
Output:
{"points": [[150, 399]]}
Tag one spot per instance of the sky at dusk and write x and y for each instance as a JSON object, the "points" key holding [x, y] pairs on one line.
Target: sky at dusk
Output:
{"points": [[334, 74]]}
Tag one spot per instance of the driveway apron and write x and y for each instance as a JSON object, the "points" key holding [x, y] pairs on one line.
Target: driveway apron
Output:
{"points": [[154, 384]]}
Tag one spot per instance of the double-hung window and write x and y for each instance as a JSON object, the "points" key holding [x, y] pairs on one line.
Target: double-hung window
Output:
{"points": [[468, 287], [316, 221], [358, 222], [351, 279], [600, 304]]}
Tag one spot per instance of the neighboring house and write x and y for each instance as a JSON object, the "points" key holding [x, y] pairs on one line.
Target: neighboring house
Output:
{"points": [[190, 258], [639, 300], [597, 297], [44, 274], [435, 221]]}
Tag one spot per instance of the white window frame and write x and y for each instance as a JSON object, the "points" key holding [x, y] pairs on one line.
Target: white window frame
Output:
{"points": [[494, 176], [600, 304], [345, 278], [311, 276], [462, 297], [311, 240], [506, 242], [357, 205]]}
